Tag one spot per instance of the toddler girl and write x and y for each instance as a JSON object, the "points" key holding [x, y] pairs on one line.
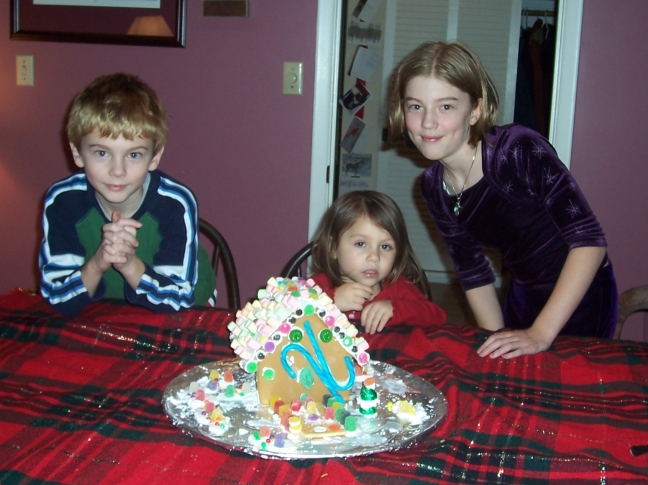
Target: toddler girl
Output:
{"points": [[364, 261]]}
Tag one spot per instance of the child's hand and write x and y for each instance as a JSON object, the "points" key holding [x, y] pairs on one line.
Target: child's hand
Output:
{"points": [[513, 343], [376, 315], [119, 241], [352, 296]]}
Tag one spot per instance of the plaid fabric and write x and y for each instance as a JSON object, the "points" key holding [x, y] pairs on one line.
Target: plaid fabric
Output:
{"points": [[80, 403]]}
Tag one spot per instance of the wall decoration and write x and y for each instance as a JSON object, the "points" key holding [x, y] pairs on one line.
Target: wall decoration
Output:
{"points": [[141, 22]]}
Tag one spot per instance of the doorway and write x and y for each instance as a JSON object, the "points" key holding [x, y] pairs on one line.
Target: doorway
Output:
{"points": [[326, 95]]}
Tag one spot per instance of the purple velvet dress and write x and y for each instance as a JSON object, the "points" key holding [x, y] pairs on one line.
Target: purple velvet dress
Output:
{"points": [[528, 207]]}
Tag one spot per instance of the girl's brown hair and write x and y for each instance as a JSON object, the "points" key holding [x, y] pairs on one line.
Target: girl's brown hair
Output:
{"points": [[453, 63], [348, 209], [118, 104]]}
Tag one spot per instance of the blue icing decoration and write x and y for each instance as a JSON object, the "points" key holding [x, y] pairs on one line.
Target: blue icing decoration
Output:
{"points": [[321, 367]]}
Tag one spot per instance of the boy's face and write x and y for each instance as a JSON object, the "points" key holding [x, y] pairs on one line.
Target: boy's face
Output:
{"points": [[117, 169]]}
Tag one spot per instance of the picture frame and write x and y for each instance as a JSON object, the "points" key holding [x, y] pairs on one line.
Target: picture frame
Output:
{"points": [[150, 22]]}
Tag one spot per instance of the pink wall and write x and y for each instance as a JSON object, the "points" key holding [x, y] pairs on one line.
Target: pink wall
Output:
{"points": [[244, 147], [235, 139], [609, 151]]}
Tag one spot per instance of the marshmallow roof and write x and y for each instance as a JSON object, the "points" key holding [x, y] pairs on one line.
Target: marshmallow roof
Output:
{"points": [[261, 326]]}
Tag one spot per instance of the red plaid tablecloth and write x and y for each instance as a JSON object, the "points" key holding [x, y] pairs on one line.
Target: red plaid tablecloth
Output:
{"points": [[80, 403]]}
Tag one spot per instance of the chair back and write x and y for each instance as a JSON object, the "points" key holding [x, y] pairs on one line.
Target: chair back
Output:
{"points": [[221, 254], [631, 301], [297, 266]]}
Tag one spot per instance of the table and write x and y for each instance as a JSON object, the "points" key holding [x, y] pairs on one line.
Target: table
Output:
{"points": [[80, 403]]}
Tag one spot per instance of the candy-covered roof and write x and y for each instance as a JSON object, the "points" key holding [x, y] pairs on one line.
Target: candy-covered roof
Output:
{"points": [[262, 325]]}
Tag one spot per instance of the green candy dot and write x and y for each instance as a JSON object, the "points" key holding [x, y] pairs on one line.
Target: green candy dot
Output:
{"points": [[268, 374], [347, 341], [309, 310], [326, 335], [296, 335], [306, 378], [251, 367]]}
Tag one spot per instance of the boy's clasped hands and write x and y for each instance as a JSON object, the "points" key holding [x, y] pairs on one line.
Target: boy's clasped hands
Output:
{"points": [[119, 241]]}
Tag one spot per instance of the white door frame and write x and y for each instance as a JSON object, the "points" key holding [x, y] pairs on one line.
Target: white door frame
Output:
{"points": [[325, 99]]}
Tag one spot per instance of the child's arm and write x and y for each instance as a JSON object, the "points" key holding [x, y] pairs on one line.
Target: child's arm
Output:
{"points": [[574, 280], [485, 306], [407, 305], [117, 245], [170, 233], [62, 252], [118, 248]]}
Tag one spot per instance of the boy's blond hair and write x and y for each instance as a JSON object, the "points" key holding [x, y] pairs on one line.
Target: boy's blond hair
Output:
{"points": [[118, 104]]}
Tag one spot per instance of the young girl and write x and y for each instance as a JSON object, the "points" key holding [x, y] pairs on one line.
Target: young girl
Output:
{"points": [[364, 261], [504, 187]]}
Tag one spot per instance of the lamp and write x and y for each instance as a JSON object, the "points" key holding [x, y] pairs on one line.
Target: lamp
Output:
{"points": [[153, 25]]}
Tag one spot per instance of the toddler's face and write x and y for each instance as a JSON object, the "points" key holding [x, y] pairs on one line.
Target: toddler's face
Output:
{"points": [[366, 253], [117, 169]]}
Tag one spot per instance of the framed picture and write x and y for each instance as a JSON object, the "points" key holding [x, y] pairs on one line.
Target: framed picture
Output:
{"points": [[129, 22]]}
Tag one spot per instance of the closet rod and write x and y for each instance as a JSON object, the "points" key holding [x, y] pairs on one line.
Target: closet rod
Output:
{"points": [[538, 13]]}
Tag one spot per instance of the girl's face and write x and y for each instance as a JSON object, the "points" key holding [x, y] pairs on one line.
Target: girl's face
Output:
{"points": [[365, 253], [438, 117]]}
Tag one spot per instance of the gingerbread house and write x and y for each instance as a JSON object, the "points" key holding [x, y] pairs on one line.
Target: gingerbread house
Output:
{"points": [[298, 343]]}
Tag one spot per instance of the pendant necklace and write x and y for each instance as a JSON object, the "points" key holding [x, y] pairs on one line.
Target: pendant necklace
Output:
{"points": [[457, 207]]}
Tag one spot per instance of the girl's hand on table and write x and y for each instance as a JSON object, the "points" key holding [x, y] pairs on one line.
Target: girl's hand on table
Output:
{"points": [[376, 315], [512, 343]]}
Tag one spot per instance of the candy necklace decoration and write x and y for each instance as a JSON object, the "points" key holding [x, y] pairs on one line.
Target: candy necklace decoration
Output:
{"points": [[457, 207]]}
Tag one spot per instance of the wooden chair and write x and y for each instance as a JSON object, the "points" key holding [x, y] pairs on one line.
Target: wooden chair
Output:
{"points": [[631, 301], [221, 254], [298, 266]]}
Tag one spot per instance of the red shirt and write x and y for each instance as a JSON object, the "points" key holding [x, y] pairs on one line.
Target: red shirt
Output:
{"points": [[410, 305]]}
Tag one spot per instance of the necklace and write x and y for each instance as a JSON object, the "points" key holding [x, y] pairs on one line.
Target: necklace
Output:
{"points": [[457, 207]]}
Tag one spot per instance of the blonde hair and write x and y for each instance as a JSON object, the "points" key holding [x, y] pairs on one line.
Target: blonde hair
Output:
{"points": [[379, 209], [455, 64], [118, 104]]}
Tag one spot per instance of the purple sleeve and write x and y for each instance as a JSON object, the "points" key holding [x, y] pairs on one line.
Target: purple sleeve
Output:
{"points": [[527, 168]]}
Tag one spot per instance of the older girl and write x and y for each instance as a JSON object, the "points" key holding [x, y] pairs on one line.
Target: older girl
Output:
{"points": [[503, 187]]}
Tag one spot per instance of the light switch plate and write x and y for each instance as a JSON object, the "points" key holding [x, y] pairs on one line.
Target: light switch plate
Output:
{"points": [[24, 70], [292, 78]]}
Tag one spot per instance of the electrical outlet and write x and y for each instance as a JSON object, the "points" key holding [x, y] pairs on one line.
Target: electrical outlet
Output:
{"points": [[292, 78], [24, 70]]}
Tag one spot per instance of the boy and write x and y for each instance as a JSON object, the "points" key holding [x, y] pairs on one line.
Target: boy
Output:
{"points": [[121, 228]]}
